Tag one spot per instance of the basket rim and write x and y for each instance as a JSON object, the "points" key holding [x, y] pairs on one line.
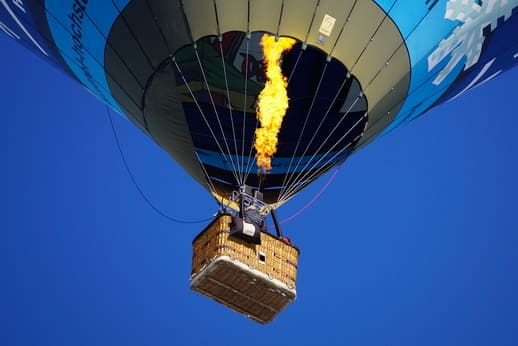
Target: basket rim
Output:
{"points": [[283, 286], [232, 215]]}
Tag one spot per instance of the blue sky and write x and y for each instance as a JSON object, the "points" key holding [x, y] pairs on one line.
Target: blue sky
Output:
{"points": [[414, 243]]}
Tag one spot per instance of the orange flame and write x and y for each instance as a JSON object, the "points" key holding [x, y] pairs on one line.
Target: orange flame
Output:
{"points": [[273, 100]]}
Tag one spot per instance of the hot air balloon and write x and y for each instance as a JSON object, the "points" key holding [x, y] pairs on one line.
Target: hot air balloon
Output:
{"points": [[190, 74]]}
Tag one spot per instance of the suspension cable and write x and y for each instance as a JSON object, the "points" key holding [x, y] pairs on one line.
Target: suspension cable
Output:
{"points": [[292, 179], [286, 180], [329, 160], [251, 158], [318, 172], [210, 184], [245, 104], [209, 92], [294, 182], [202, 113], [229, 106]]}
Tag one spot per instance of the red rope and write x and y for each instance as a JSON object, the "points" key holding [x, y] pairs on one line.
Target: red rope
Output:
{"points": [[313, 199]]}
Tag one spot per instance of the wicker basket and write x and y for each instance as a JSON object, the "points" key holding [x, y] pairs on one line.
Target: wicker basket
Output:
{"points": [[255, 280]]}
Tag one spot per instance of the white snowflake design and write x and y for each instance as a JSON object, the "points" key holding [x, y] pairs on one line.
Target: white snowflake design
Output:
{"points": [[467, 39]]}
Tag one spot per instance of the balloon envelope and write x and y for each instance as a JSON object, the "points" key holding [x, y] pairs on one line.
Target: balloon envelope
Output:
{"points": [[188, 73]]}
